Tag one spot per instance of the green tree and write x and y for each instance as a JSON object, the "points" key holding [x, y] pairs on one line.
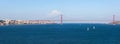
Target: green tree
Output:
{"points": [[2, 21]]}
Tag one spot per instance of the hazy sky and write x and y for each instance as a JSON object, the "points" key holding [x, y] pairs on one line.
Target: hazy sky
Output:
{"points": [[71, 9]]}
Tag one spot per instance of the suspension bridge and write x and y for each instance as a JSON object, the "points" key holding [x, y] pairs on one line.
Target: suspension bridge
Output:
{"points": [[61, 20]]}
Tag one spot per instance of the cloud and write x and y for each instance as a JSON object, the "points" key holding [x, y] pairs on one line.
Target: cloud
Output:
{"points": [[55, 13]]}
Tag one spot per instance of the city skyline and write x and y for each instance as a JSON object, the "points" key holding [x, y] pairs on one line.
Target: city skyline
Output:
{"points": [[71, 9]]}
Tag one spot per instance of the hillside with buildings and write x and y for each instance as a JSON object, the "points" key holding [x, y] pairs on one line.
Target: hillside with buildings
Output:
{"points": [[14, 22]]}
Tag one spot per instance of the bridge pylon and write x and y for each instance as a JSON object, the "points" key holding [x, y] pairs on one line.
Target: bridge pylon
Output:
{"points": [[61, 19], [113, 20]]}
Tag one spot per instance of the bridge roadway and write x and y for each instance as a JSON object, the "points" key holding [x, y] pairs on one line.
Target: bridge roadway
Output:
{"points": [[78, 20]]}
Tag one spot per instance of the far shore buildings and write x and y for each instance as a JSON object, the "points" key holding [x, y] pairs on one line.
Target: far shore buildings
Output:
{"points": [[14, 22]]}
